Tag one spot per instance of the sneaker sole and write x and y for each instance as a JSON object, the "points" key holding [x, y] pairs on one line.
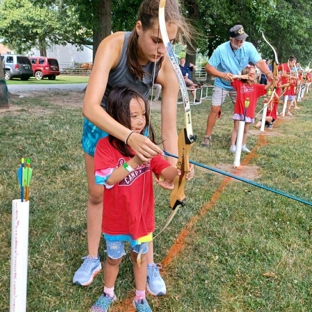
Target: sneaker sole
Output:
{"points": [[157, 295], [96, 272]]}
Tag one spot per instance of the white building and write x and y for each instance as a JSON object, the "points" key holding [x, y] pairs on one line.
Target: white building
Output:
{"points": [[68, 55]]}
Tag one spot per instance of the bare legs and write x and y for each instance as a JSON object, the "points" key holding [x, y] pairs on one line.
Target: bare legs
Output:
{"points": [[212, 118], [94, 213], [235, 131], [111, 269], [94, 209]]}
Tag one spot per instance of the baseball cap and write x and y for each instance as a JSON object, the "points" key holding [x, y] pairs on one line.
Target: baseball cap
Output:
{"points": [[238, 32]]}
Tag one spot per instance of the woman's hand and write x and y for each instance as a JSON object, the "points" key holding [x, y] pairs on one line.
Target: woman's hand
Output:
{"points": [[143, 147]]}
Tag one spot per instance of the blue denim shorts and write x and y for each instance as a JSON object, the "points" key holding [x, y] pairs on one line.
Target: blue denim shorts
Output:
{"points": [[90, 136], [116, 249]]}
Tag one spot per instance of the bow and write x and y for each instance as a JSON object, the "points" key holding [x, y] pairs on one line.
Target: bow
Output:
{"points": [[186, 138], [276, 62], [275, 73]]}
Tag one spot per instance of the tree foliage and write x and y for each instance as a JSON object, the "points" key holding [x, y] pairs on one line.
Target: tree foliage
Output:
{"points": [[25, 24]]}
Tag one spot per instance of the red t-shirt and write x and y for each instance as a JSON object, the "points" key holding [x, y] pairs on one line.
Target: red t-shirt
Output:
{"points": [[285, 68], [244, 91], [291, 88], [308, 77], [128, 207]]}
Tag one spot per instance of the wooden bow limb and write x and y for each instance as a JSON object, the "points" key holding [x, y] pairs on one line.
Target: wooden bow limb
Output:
{"points": [[186, 137], [177, 196]]}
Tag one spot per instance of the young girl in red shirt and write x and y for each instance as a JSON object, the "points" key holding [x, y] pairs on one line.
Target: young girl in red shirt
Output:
{"points": [[128, 206], [248, 93]]}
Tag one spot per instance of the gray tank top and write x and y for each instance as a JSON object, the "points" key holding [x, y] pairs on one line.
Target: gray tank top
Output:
{"points": [[121, 76]]}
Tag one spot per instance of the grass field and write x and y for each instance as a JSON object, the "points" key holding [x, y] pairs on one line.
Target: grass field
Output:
{"points": [[233, 247], [61, 79]]}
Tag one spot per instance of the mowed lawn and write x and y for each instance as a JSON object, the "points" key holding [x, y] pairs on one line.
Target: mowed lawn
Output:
{"points": [[243, 248]]}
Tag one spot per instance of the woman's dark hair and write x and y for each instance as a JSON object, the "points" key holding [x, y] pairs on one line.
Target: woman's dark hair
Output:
{"points": [[147, 14], [118, 107]]}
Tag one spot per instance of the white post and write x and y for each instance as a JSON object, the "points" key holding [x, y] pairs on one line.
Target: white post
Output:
{"points": [[285, 105], [303, 88], [239, 143], [265, 109], [19, 255]]}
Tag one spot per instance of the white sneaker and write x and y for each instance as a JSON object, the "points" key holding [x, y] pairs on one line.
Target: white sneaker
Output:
{"points": [[289, 114], [233, 148], [245, 149]]}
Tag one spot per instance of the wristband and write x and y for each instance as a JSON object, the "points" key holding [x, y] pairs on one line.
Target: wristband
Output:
{"points": [[127, 167], [128, 136]]}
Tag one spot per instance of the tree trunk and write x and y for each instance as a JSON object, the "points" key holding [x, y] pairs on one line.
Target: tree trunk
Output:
{"points": [[4, 103], [42, 47], [103, 12], [1, 69]]}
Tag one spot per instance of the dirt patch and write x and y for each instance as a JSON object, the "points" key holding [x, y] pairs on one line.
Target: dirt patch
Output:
{"points": [[266, 132], [246, 172]]}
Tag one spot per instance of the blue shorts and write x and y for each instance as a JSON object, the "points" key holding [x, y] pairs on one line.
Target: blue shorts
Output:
{"points": [[90, 136], [116, 249]]}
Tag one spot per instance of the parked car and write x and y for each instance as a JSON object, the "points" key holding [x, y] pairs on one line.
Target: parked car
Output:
{"points": [[43, 66], [16, 66]]}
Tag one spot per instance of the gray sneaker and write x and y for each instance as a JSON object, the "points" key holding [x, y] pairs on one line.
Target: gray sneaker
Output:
{"points": [[88, 270], [245, 149], [233, 149], [206, 141], [155, 283]]}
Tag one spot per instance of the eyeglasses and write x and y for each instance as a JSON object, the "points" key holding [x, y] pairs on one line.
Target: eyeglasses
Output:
{"points": [[240, 41]]}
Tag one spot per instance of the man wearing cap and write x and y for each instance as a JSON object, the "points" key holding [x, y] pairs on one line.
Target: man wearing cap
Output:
{"points": [[226, 62]]}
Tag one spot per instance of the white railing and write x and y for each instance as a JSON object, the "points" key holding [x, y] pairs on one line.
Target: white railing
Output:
{"points": [[200, 74], [73, 68]]}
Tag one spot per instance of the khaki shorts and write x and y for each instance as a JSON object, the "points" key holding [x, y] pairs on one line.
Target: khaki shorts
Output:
{"points": [[218, 96]]}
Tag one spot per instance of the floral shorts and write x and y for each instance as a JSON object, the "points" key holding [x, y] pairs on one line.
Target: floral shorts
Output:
{"points": [[90, 136]]}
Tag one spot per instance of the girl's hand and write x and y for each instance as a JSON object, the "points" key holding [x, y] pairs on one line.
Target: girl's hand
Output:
{"points": [[165, 184], [190, 175], [143, 147], [168, 184]]}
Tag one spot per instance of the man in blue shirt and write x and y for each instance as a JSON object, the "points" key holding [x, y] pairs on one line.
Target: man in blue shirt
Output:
{"points": [[226, 62]]}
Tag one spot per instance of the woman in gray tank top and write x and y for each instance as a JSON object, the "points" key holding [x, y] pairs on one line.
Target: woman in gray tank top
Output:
{"points": [[137, 59]]}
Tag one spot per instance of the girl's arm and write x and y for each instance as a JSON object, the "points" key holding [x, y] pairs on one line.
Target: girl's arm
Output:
{"points": [[107, 58], [240, 77], [121, 172], [268, 86], [167, 176]]}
